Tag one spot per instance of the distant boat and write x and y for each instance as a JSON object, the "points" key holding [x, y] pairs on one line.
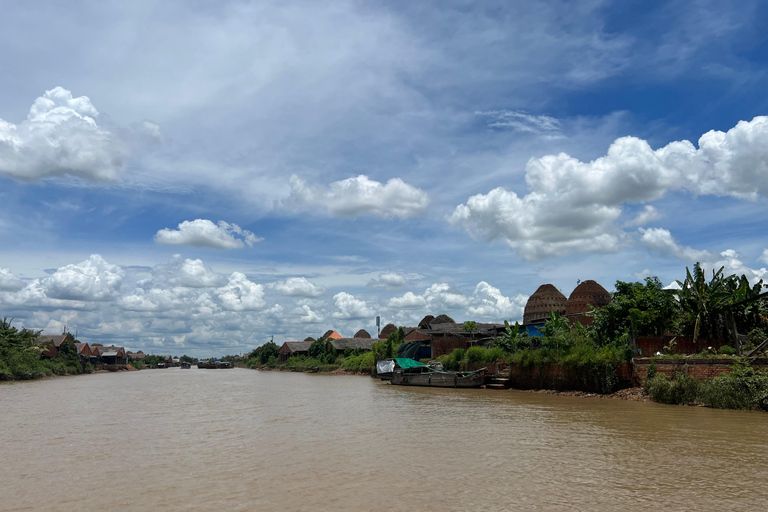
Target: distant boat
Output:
{"points": [[185, 365], [213, 365]]}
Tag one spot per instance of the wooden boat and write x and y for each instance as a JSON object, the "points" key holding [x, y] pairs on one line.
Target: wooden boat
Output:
{"points": [[185, 365], [420, 374]]}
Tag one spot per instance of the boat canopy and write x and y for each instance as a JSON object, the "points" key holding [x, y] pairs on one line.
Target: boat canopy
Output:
{"points": [[404, 362]]}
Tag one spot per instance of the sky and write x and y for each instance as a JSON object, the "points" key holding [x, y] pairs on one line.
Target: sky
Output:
{"points": [[196, 178]]}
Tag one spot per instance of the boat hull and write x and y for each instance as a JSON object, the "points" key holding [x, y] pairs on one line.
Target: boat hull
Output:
{"points": [[439, 380]]}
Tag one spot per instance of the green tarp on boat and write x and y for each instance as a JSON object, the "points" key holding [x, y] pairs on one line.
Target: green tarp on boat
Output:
{"points": [[408, 363]]}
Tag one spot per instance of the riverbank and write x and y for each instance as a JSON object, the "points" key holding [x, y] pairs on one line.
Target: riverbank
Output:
{"points": [[737, 386], [635, 394]]}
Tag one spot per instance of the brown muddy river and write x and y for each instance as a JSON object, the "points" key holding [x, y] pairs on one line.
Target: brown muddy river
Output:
{"points": [[246, 440]]}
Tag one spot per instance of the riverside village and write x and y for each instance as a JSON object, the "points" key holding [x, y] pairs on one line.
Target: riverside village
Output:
{"points": [[701, 342]]}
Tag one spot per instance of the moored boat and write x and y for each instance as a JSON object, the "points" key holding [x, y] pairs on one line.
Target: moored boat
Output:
{"points": [[215, 364], [407, 372], [185, 365]]}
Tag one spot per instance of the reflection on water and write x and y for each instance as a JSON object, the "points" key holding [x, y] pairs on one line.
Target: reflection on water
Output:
{"points": [[245, 440]]}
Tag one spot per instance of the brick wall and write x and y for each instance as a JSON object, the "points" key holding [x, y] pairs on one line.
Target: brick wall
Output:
{"points": [[555, 376], [441, 346], [697, 368], [648, 346]]}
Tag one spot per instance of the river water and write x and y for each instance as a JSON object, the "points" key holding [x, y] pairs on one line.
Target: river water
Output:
{"points": [[247, 440]]}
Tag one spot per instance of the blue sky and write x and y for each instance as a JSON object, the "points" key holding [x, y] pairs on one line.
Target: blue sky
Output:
{"points": [[183, 177]]}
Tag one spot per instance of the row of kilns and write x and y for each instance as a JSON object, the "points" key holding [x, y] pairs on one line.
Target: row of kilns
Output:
{"points": [[547, 298]]}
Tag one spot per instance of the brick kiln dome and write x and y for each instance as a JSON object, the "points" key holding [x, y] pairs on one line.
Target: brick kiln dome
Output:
{"points": [[545, 298], [362, 333], [387, 330], [586, 294]]}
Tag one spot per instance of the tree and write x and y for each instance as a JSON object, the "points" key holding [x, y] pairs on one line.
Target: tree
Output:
{"points": [[640, 309], [269, 349], [318, 348], [510, 340], [705, 302]]}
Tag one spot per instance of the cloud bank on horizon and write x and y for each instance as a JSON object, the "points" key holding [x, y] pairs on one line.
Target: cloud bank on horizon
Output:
{"points": [[369, 159]]}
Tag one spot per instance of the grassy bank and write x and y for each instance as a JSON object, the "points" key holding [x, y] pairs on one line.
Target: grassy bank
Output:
{"points": [[356, 363]]}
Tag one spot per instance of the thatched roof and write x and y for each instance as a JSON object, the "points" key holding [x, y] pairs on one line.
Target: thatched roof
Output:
{"points": [[353, 343], [297, 346], [587, 293], [544, 299], [362, 333], [387, 330]]}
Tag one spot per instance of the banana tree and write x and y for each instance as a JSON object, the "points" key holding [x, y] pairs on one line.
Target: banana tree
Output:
{"points": [[706, 300]]}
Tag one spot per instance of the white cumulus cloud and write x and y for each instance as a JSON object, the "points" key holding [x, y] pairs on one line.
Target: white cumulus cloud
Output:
{"points": [[408, 301], [572, 206], [9, 282], [91, 280], [347, 307], [241, 294], [59, 137], [298, 287], [661, 240], [489, 302], [442, 296], [388, 280], [306, 315], [358, 196], [204, 233], [648, 215]]}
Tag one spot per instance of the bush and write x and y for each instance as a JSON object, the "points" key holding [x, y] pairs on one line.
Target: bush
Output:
{"points": [[5, 371], [684, 389], [360, 363], [476, 355], [301, 363], [727, 351], [454, 360], [742, 388]]}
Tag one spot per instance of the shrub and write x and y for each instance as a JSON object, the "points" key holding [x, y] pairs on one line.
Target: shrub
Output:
{"points": [[742, 388], [494, 353], [454, 360], [5, 371], [360, 363], [683, 389], [475, 355], [727, 350], [651, 370]]}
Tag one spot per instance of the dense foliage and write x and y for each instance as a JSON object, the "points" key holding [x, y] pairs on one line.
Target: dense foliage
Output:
{"points": [[643, 309], [20, 357]]}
